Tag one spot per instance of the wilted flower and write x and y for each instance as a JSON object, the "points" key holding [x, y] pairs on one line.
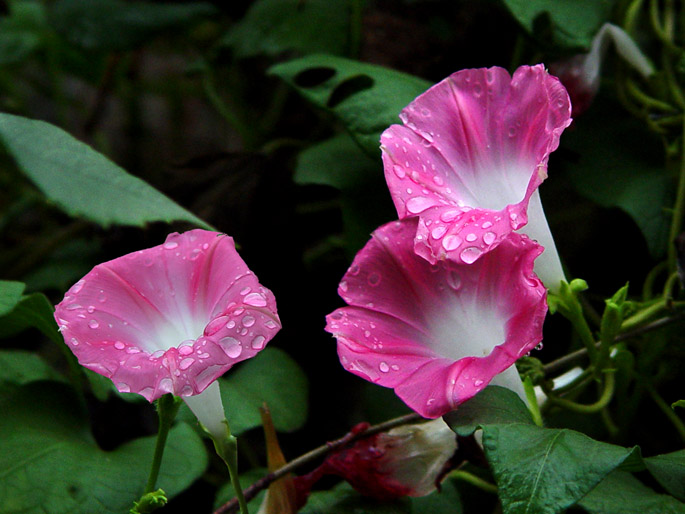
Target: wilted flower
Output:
{"points": [[438, 333], [469, 159], [169, 319], [580, 74]]}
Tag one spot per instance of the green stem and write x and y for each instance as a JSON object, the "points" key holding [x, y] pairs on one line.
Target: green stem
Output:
{"points": [[648, 286], [167, 407], [227, 449], [643, 316], [678, 209], [601, 403], [665, 408], [472, 479], [533, 406]]}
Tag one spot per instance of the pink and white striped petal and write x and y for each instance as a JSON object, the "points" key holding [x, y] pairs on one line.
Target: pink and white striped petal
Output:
{"points": [[169, 319], [437, 333], [469, 155]]}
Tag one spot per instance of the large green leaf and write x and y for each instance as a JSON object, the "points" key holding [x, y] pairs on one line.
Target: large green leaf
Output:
{"points": [[10, 294], [271, 27], [340, 163], [366, 98], [111, 25], [493, 405], [570, 23], [82, 181], [669, 470], [618, 165], [622, 492], [32, 311], [49, 461], [544, 471], [22, 367]]}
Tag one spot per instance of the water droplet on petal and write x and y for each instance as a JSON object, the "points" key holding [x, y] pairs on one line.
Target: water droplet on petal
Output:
{"points": [[454, 280], [231, 347], [73, 306], [343, 285], [248, 321], [439, 231], [487, 224], [471, 237], [170, 245], [449, 216], [451, 242], [245, 290], [258, 342], [418, 204], [383, 366], [255, 299], [270, 324], [185, 349], [354, 269], [93, 323], [186, 363], [399, 171], [166, 385], [470, 255], [123, 388], [539, 346], [489, 238], [119, 345], [478, 383], [374, 279], [230, 324], [215, 325]]}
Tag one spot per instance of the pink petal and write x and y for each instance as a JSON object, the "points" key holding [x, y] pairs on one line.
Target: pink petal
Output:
{"points": [[471, 152], [437, 333], [169, 319]]}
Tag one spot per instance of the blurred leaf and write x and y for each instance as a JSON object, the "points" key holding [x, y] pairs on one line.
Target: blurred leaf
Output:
{"points": [[271, 27], [342, 499], [33, 311], [82, 181], [622, 492], [544, 471], [445, 501], [618, 166], [22, 367], [569, 23], [50, 462], [10, 294], [68, 263], [669, 470], [340, 163], [112, 25], [365, 97], [493, 405], [21, 33]]}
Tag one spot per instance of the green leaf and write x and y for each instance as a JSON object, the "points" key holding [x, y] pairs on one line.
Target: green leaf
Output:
{"points": [[271, 27], [569, 23], [342, 499], [540, 471], [21, 33], [445, 501], [679, 403], [365, 97], [340, 163], [669, 470], [493, 405], [33, 311], [49, 461], [82, 181], [622, 492], [21, 367], [618, 166], [114, 25], [10, 295]]}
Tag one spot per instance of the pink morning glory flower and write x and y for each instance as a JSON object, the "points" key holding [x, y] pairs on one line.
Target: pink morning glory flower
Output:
{"points": [[469, 158], [438, 333], [169, 319]]}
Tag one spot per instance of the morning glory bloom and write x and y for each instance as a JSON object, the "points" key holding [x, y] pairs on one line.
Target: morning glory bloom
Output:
{"points": [[438, 333], [170, 319], [469, 158]]}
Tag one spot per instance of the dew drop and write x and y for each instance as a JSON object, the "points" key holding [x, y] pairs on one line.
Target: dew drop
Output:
{"points": [[451, 242], [73, 306], [343, 285], [123, 388], [185, 349], [119, 345], [258, 342], [477, 90], [478, 383], [470, 255], [399, 171], [248, 321], [454, 280], [74, 341], [186, 363], [374, 279], [489, 238], [418, 204], [170, 245], [77, 286], [231, 347], [539, 346], [270, 324], [245, 290], [215, 325], [383, 366], [471, 237], [439, 231], [449, 216], [230, 324], [438, 180], [487, 224], [425, 112], [354, 269], [93, 323], [166, 385], [255, 299]]}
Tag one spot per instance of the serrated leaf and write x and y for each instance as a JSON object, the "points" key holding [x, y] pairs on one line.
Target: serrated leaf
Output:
{"points": [[669, 470], [571, 24], [493, 405], [544, 471], [114, 25], [622, 492], [82, 181], [271, 27], [49, 461], [365, 97]]}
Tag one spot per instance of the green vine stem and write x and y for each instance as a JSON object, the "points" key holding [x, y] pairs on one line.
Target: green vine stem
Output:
{"points": [[678, 208], [601, 403], [483, 485], [227, 448], [167, 407]]}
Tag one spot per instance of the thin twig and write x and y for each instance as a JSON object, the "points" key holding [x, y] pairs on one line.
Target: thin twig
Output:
{"points": [[351, 437]]}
